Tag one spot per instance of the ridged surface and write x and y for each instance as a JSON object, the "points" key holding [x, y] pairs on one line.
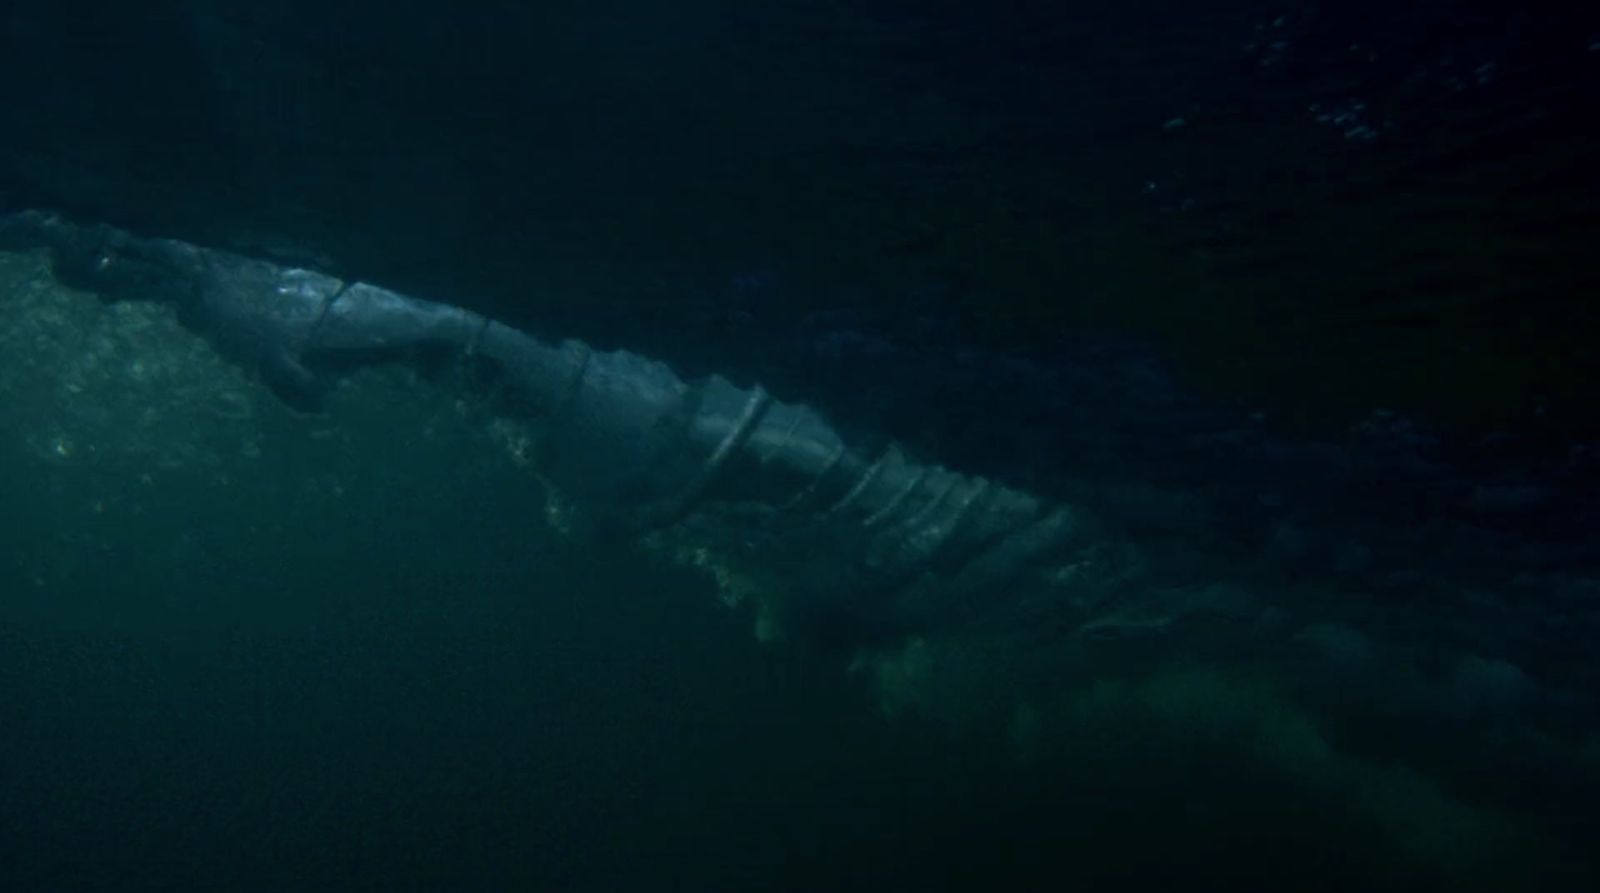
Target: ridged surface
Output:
{"points": [[625, 439]]}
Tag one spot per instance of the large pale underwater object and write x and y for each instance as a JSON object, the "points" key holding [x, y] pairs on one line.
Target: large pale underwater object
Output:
{"points": [[849, 538], [874, 538], [953, 593]]}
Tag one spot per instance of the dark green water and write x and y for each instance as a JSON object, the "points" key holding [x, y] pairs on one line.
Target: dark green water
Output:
{"points": [[1332, 394], [249, 648]]}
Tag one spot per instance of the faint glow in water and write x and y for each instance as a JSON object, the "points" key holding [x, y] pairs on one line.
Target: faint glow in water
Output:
{"points": [[1349, 117]]}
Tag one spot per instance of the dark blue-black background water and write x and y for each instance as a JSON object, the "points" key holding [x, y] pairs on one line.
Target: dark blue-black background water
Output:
{"points": [[1291, 274]]}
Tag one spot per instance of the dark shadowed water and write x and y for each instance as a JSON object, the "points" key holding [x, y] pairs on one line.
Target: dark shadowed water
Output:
{"points": [[1294, 298]]}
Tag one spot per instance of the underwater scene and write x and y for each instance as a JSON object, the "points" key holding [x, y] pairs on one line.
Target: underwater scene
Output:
{"points": [[807, 445]]}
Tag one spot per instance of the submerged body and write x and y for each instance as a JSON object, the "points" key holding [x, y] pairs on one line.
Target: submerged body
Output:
{"points": [[864, 531], [1050, 622]]}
